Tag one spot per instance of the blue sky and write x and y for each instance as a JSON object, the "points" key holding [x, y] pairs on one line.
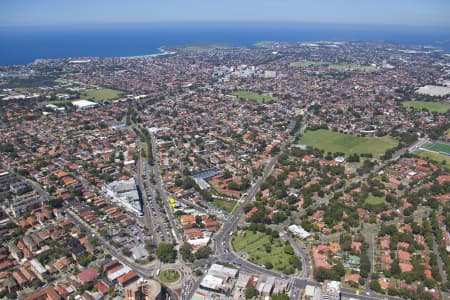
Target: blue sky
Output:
{"points": [[435, 13]]}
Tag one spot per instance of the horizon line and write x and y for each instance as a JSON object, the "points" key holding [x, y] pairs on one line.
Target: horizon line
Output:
{"points": [[226, 22]]}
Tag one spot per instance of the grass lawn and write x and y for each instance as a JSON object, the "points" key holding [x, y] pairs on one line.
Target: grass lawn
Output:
{"points": [[438, 158], [372, 200], [430, 106], [226, 205], [252, 96], [169, 276], [338, 67], [331, 141], [255, 245], [99, 95]]}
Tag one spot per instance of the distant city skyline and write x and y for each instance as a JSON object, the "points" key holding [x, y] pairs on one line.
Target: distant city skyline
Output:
{"points": [[432, 13]]}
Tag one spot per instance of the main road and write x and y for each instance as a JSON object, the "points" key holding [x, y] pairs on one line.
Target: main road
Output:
{"points": [[162, 191], [224, 234], [145, 203]]}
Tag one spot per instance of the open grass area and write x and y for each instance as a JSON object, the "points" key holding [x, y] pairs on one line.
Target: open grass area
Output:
{"points": [[252, 96], [430, 106], [100, 95], [169, 276], [337, 67], [97, 95], [256, 245], [441, 159], [226, 205], [331, 141], [372, 200]]}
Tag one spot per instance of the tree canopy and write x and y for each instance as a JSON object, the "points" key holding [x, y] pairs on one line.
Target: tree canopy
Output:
{"points": [[166, 252]]}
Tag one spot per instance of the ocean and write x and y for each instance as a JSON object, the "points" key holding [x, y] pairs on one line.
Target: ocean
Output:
{"points": [[22, 45]]}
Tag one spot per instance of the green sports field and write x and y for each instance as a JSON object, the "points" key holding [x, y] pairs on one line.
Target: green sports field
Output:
{"points": [[372, 200], [438, 147], [99, 95], [333, 142], [430, 106], [252, 96]]}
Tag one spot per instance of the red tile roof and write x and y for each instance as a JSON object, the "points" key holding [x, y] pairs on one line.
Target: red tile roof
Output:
{"points": [[102, 287], [127, 277], [406, 267], [403, 255], [351, 277], [357, 246], [88, 275], [48, 293], [5, 265]]}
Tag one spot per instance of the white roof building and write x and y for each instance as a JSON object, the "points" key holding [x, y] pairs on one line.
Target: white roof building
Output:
{"points": [[299, 231], [197, 243], [331, 290], [125, 192], [203, 185], [434, 90], [54, 107], [38, 266], [139, 252], [84, 104], [312, 293], [118, 273], [222, 271], [213, 283], [340, 159]]}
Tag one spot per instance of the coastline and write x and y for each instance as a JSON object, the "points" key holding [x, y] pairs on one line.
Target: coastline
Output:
{"points": [[160, 49], [85, 59], [259, 44], [132, 42]]}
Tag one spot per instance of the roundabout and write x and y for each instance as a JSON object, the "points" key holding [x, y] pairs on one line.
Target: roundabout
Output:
{"points": [[169, 276]]}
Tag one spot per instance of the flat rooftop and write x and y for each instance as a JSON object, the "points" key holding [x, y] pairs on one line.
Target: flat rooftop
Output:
{"points": [[434, 90], [84, 103]]}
